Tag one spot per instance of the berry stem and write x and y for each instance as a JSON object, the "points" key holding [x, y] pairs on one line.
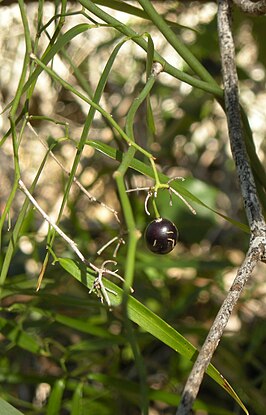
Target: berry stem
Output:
{"points": [[156, 212]]}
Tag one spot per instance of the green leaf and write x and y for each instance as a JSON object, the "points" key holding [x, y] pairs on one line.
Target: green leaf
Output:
{"points": [[55, 399], [20, 338], [148, 321], [147, 171], [134, 11], [126, 30], [76, 405], [150, 59], [85, 327], [48, 55], [52, 51], [7, 409], [128, 387]]}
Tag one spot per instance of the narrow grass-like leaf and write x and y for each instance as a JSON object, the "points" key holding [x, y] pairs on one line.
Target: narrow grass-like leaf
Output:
{"points": [[96, 99], [150, 58], [12, 246], [19, 337], [126, 30], [147, 171], [7, 409], [148, 321], [76, 405], [134, 11], [48, 55], [178, 45], [52, 51], [55, 398], [170, 398], [85, 327], [94, 345]]}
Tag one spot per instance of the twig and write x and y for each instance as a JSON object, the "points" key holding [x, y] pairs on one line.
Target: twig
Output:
{"points": [[255, 8], [119, 240], [98, 285], [257, 247], [75, 180], [152, 191], [51, 223], [232, 108], [182, 198]]}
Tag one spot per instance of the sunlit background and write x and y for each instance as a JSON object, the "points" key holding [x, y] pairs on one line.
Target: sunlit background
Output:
{"points": [[185, 288]]}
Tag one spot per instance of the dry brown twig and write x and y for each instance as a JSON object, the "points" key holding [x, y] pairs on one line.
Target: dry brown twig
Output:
{"points": [[257, 245]]}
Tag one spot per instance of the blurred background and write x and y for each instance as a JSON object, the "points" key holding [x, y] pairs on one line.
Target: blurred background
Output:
{"points": [[83, 339]]}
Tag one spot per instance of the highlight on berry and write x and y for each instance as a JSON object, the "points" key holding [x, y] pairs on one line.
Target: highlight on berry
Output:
{"points": [[161, 236]]}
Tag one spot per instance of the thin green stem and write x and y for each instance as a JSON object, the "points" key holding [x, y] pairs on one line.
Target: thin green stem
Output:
{"points": [[47, 56], [39, 17], [34, 49], [60, 16], [134, 107], [156, 176], [44, 118], [133, 233], [61, 21], [126, 207], [26, 61], [93, 104], [12, 114], [133, 236], [128, 157], [19, 223], [156, 212], [135, 11], [119, 177], [179, 46], [16, 141], [82, 80]]}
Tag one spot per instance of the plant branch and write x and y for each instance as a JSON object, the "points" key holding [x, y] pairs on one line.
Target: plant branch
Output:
{"points": [[256, 8], [51, 223], [257, 247], [13, 112], [75, 180], [168, 68], [98, 285], [232, 109], [133, 233], [178, 45]]}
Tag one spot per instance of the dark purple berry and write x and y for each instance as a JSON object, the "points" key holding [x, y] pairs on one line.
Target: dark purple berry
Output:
{"points": [[161, 236]]}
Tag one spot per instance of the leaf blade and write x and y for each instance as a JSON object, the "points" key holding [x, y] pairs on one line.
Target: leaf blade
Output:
{"points": [[7, 409], [149, 321], [147, 170]]}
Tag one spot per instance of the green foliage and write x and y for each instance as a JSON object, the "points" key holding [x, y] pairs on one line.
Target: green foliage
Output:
{"points": [[8, 409], [89, 107]]}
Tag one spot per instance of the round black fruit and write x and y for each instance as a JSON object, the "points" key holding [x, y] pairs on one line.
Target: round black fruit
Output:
{"points": [[161, 236]]}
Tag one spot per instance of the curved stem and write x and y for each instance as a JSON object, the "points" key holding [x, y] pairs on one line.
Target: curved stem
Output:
{"points": [[132, 231], [179, 46], [13, 111], [182, 76]]}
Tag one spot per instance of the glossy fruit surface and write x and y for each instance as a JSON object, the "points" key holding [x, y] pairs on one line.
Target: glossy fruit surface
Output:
{"points": [[161, 236]]}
